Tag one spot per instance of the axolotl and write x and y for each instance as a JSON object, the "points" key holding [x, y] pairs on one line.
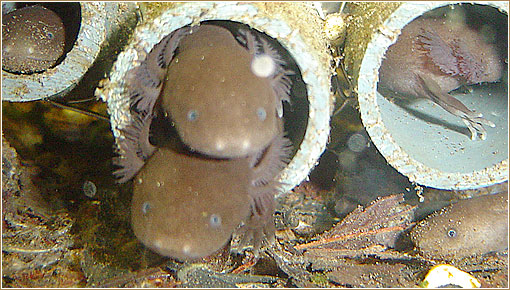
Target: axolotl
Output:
{"points": [[33, 39], [433, 57], [473, 226], [223, 95], [187, 206]]}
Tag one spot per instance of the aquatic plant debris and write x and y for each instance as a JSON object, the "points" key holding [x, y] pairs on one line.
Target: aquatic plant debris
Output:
{"points": [[378, 224]]}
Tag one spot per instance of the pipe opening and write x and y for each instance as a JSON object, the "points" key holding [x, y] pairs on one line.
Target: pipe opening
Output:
{"points": [[458, 51], [60, 24]]}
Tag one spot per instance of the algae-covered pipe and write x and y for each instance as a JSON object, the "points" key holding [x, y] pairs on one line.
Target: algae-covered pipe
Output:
{"points": [[296, 27], [424, 140], [88, 27]]}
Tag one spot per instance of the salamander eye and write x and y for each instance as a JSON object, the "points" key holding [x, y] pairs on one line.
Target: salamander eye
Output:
{"points": [[192, 115], [215, 221], [146, 206], [452, 233], [261, 113]]}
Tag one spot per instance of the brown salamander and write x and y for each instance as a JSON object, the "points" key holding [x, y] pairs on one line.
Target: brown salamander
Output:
{"points": [[433, 57], [187, 206], [223, 94], [33, 39], [472, 226]]}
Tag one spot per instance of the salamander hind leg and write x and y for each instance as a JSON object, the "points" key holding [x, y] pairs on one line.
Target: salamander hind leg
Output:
{"points": [[266, 166], [260, 224], [474, 121]]}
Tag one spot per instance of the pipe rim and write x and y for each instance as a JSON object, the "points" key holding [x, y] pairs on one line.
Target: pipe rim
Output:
{"points": [[416, 171], [315, 78]]}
